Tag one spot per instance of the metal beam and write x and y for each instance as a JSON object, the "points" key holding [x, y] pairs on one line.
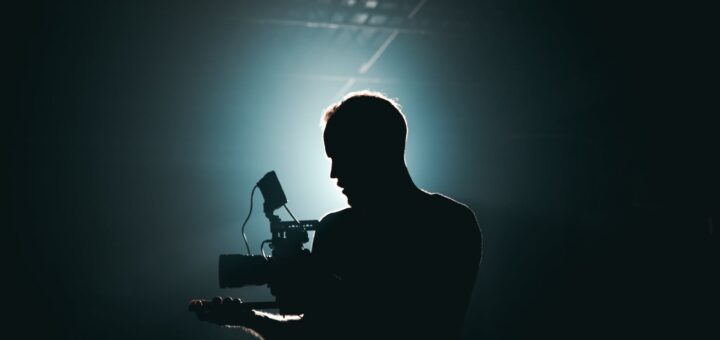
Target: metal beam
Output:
{"points": [[333, 25]]}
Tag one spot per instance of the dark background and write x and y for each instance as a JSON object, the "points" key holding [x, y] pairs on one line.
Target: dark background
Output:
{"points": [[581, 134]]}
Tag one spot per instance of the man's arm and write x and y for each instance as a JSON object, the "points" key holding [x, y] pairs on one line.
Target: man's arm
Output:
{"points": [[230, 312], [274, 326], [318, 282]]}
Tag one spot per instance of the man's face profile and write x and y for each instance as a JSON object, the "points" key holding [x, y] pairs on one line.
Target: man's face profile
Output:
{"points": [[357, 175], [364, 138]]}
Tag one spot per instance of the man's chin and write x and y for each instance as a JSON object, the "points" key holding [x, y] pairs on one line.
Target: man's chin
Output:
{"points": [[357, 201]]}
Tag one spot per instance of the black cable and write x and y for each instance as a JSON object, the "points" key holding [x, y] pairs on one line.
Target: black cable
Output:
{"points": [[247, 245], [262, 248], [291, 214]]}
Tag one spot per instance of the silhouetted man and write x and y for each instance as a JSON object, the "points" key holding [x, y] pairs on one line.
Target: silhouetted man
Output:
{"points": [[399, 262]]}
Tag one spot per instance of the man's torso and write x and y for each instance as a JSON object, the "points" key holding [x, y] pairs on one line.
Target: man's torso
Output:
{"points": [[401, 270]]}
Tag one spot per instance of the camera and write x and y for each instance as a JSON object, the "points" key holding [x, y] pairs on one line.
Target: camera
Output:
{"points": [[281, 270]]}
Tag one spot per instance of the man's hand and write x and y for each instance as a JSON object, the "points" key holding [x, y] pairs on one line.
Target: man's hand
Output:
{"points": [[222, 311]]}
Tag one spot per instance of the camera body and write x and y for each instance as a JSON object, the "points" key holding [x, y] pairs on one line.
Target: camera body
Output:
{"points": [[281, 271]]}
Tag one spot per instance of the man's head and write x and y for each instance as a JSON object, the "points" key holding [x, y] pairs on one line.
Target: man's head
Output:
{"points": [[365, 136]]}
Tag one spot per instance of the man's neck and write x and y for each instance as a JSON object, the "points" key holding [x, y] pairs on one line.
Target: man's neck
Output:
{"points": [[396, 190]]}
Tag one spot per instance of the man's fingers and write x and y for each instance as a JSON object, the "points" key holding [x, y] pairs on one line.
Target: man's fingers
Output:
{"points": [[231, 301], [195, 305], [221, 311], [212, 316]]}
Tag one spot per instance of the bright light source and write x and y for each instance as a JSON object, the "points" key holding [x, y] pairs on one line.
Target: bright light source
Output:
{"points": [[371, 3], [360, 18]]}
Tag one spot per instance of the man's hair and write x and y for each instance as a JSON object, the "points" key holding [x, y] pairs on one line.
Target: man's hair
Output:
{"points": [[367, 120]]}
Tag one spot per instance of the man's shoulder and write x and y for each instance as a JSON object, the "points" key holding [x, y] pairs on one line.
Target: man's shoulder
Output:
{"points": [[334, 216], [456, 213], [449, 205], [460, 215]]}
